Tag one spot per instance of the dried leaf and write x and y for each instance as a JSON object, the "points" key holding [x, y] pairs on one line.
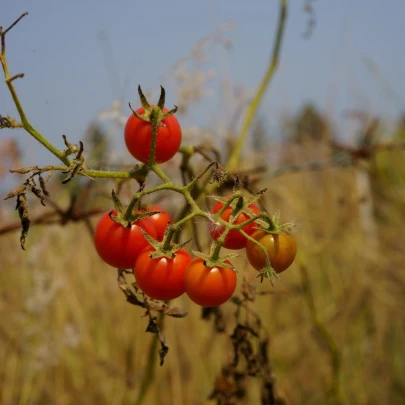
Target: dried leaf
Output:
{"points": [[163, 351], [22, 208], [38, 193], [42, 183], [24, 170], [18, 190], [48, 176], [8, 122], [176, 312], [152, 325], [157, 306]]}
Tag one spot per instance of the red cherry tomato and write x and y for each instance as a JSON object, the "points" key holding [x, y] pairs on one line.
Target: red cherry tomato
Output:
{"points": [[160, 220], [138, 138], [161, 278], [234, 239], [209, 286], [119, 246], [281, 249]]}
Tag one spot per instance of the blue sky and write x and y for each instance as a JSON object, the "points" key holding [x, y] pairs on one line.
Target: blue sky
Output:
{"points": [[67, 80]]}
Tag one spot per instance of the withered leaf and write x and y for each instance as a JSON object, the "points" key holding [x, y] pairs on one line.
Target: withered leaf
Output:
{"points": [[163, 352], [42, 183], [152, 325], [153, 305], [37, 192], [176, 312], [24, 170], [22, 208], [18, 190]]}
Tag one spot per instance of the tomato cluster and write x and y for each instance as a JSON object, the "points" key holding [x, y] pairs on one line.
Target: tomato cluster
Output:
{"points": [[161, 278], [139, 240], [166, 278]]}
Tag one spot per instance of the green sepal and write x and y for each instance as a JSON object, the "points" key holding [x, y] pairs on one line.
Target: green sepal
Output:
{"points": [[153, 115], [276, 219], [269, 273], [161, 102], [277, 228], [159, 250], [220, 262], [119, 208], [255, 197], [142, 97], [120, 212], [169, 113], [143, 117]]}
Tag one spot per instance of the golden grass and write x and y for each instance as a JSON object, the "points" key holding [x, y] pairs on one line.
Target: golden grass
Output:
{"points": [[67, 335]]}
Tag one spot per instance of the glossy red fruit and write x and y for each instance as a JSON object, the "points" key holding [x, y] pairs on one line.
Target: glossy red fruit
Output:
{"points": [[209, 286], [138, 138], [160, 220], [119, 246], [161, 278]]}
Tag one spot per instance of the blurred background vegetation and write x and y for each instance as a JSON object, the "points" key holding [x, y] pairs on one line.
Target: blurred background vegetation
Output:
{"points": [[335, 320]]}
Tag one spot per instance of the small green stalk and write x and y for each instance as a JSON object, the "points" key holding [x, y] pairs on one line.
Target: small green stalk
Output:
{"points": [[174, 228], [154, 119], [229, 201]]}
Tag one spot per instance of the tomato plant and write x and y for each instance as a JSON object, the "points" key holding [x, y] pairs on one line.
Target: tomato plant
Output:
{"points": [[138, 138], [234, 239], [161, 278], [160, 220], [209, 286], [119, 246], [281, 249]]}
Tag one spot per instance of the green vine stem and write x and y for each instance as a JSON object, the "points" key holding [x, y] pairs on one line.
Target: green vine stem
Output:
{"points": [[254, 105]]}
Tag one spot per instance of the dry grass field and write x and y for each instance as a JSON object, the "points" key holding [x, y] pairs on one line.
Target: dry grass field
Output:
{"points": [[335, 320]]}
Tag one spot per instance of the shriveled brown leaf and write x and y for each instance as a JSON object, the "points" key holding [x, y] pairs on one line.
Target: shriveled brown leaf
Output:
{"points": [[22, 207], [18, 190]]}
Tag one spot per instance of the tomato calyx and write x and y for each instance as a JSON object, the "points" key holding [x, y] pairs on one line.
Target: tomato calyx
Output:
{"points": [[269, 273], [160, 247], [126, 216], [153, 114], [272, 224], [212, 261]]}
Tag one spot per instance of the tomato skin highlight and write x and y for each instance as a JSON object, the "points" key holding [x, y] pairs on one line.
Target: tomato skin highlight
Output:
{"points": [[209, 286], [281, 249], [160, 220], [161, 278], [234, 240], [119, 246], [138, 138]]}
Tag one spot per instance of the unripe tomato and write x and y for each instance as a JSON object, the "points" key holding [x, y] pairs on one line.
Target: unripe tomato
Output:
{"points": [[161, 278], [119, 246], [281, 249], [138, 138], [209, 286]]}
